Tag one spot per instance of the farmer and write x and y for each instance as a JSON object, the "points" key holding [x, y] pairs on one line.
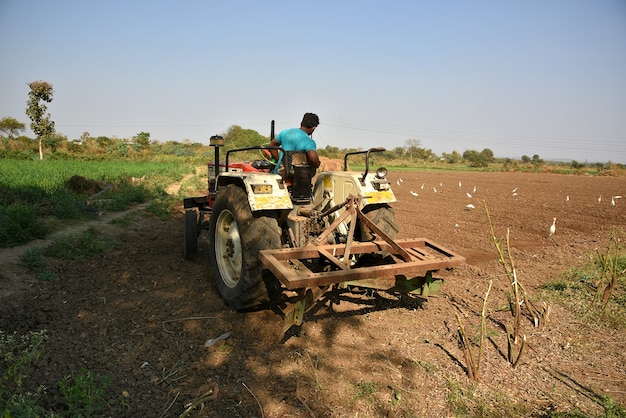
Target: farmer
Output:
{"points": [[298, 139]]}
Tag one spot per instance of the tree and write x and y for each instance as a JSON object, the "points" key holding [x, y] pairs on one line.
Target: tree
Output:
{"points": [[479, 159], [40, 93], [237, 137], [411, 146], [141, 141], [11, 126]]}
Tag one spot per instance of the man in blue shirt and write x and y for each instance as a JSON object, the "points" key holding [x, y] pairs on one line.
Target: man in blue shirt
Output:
{"points": [[298, 139]]}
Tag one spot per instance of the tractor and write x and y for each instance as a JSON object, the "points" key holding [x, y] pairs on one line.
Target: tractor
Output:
{"points": [[283, 238]]}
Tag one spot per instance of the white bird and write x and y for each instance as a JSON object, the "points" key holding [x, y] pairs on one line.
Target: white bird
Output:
{"points": [[514, 194], [552, 229], [414, 194], [613, 201], [422, 186], [469, 206], [567, 198], [514, 190], [459, 184], [456, 226], [435, 190], [469, 195], [398, 182], [474, 189], [617, 197], [600, 199], [441, 184]]}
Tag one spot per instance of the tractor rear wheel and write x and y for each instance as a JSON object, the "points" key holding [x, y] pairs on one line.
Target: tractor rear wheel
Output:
{"points": [[236, 237], [383, 216]]}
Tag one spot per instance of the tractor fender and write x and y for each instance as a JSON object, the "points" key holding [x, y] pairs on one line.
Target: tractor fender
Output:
{"points": [[265, 191], [339, 185]]}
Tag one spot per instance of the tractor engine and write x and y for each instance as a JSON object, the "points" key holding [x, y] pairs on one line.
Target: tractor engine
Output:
{"points": [[305, 226]]}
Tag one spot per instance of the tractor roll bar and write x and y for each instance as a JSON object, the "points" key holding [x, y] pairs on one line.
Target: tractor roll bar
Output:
{"points": [[248, 149], [367, 159]]}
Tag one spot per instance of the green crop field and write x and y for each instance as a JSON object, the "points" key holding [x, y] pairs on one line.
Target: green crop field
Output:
{"points": [[34, 195]]}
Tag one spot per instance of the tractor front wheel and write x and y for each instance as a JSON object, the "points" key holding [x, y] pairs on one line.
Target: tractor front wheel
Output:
{"points": [[236, 237]]}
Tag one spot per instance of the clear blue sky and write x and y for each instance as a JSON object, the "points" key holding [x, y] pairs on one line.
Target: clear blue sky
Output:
{"points": [[527, 77]]}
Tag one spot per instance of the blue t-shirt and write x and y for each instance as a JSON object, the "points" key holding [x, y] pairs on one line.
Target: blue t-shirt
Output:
{"points": [[294, 139]]}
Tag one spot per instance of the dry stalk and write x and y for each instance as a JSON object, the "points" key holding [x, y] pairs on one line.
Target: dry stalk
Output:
{"points": [[255, 398], [170, 405], [539, 316], [473, 364], [191, 318], [610, 272], [467, 353], [211, 395]]}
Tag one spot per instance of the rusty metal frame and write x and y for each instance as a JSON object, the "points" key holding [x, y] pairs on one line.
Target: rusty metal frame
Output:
{"points": [[406, 260]]}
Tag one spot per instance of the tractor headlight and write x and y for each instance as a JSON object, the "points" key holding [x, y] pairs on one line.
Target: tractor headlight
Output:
{"points": [[262, 188], [381, 183]]}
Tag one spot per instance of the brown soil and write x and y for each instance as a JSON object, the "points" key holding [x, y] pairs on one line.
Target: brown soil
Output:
{"points": [[141, 314]]}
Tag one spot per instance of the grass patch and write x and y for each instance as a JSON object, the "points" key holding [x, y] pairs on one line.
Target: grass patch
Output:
{"points": [[80, 395], [163, 206], [79, 246], [33, 258], [37, 197], [366, 390], [19, 224], [471, 401], [596, 290]]}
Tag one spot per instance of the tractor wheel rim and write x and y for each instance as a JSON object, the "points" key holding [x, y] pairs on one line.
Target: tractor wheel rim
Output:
{"points": [[228, 249]]}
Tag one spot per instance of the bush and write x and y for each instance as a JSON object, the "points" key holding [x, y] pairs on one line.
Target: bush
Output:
{"points": [[19, 224]]}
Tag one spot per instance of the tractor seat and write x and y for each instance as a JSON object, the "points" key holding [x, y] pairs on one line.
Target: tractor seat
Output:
{"points": [[297, 174]]}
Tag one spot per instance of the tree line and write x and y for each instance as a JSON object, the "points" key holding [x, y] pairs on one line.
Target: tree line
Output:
{"points": [[13, 144]]}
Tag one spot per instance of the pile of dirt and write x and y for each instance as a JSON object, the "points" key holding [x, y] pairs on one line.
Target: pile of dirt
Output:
{"points": [[85, 187]]}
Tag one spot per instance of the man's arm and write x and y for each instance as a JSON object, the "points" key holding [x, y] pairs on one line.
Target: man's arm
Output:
{"points": [[274, 152], [312, 158]]}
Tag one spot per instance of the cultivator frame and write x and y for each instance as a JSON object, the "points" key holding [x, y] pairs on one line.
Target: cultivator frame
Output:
{"points": [[404, 266]]}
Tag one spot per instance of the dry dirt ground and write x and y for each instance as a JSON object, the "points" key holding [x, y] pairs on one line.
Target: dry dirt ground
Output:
{"points": [[141, 314]]}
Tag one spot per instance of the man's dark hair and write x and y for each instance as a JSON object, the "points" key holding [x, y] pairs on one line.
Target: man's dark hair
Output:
{"points": [[310, 120]]}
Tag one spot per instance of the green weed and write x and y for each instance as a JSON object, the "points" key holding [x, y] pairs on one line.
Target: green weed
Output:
{"points": [[79, 246], [596, 290], [33, 259], [19, 224], [366, 390], [83, 394], [17, 353]]}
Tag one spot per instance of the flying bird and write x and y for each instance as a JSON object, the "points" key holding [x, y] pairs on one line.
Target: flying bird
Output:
{"points": [[552, 229]]}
